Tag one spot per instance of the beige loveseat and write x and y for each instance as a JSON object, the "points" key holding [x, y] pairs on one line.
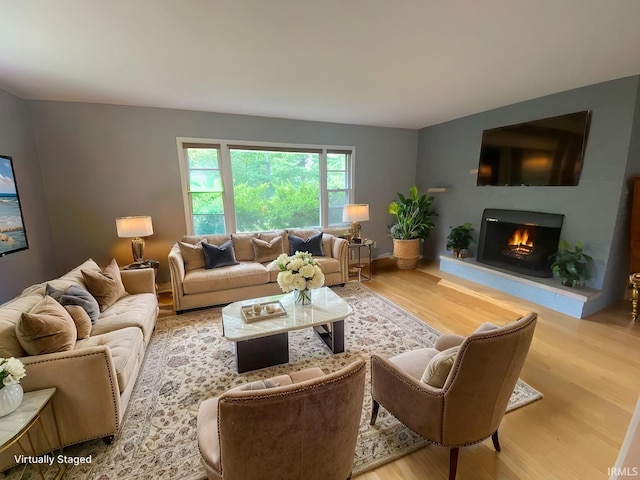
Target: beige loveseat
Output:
{"points": [[94, 380], [195, 286]]}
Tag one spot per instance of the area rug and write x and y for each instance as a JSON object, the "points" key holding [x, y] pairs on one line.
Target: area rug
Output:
{"points": [[188, 361]]}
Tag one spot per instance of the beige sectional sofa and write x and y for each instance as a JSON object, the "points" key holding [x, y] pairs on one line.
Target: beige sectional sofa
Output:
{"points": [[93, 380], [254, 275]]}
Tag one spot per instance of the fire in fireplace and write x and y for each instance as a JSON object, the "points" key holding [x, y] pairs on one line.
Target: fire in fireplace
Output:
{"points": [[520, 241]]}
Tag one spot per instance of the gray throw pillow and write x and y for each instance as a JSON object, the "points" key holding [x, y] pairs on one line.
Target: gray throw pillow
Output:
{"points": [[53, 292], [219, 256], [312, 244], [75, 295]]}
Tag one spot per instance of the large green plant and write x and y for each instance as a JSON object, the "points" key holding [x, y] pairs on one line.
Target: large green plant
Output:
{"points": [[571, 266], [415, 215]]}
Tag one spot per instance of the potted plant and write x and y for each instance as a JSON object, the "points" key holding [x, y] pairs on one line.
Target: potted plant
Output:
{"points": [[415, 219], [459, 239], [571, 266]]}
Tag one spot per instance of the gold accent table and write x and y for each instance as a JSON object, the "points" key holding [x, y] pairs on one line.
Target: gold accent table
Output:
{"points": [[19, 422]]}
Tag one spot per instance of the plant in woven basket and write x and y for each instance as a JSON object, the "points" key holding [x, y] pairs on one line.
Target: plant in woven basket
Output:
{"points": [[415, 215]]}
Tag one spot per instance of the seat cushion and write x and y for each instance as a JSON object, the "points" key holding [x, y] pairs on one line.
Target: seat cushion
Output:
{"points": [[127, 350], [138, 310], [245, 274], [414, 362]]}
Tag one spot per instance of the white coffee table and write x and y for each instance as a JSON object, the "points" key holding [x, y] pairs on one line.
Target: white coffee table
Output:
{"points": [[263, 343]]}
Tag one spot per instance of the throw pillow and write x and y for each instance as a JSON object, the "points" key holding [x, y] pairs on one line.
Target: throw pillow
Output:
{"points": [[439, 367], [267, 251], [486, 327], [53, 292], [219, 256], [105, 286], [46, 328], [81, 319], [75, 295], [192, 255], [312, 244]]}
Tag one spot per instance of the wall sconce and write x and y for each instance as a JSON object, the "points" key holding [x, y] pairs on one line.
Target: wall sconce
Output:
{"points": [[354, 213], [135, 228]]}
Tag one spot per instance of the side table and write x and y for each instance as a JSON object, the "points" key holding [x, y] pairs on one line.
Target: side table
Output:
{"points": [[356, 268], [17, 424]]}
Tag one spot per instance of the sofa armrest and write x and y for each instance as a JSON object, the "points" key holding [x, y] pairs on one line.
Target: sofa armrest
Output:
{"points": [[141, 280], [87, 398], [340, 251], [177, 271]]}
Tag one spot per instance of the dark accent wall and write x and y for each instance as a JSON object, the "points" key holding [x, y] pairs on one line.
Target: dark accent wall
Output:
{"points": [[596, 211], [100, 162], [37, 263]]}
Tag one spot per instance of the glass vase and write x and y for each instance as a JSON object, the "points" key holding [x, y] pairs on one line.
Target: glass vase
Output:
{"points": [[303, 297], [10, 398]]}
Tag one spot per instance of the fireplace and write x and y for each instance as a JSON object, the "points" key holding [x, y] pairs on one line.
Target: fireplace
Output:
{"points": [[519, 241]]}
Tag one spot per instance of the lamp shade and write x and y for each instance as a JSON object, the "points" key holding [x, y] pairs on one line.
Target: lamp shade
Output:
{"points": [[355, 212], [131, 227]]}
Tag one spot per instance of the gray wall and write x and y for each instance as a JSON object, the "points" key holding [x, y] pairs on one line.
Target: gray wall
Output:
{"points": [[595, 211], [103, 161], [20, 269]]}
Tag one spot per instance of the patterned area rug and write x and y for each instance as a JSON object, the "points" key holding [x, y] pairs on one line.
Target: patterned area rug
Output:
{"points": [[188, 361]]}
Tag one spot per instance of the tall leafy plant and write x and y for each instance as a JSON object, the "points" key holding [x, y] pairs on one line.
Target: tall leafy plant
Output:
{"points": [[569, 265], [415, 215]]}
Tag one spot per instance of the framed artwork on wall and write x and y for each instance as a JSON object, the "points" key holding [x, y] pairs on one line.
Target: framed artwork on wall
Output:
{"points": [[13, 236]]}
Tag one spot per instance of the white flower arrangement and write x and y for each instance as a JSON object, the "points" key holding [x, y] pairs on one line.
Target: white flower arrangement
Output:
{"points": [[299, 272], [11, 371]]}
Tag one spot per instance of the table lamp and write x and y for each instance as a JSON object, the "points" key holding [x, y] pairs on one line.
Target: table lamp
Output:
{"points": [[355, 213], [135, 228]]}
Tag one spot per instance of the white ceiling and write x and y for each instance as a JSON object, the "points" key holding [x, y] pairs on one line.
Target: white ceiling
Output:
{"points": [[397, 63]]}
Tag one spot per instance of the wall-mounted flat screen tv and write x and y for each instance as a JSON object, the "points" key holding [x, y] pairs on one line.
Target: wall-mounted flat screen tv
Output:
{"points": [[546, 152], [12, 235]]}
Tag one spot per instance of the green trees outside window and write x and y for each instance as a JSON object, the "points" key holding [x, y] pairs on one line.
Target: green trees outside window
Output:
{"points": [[272, 189]]}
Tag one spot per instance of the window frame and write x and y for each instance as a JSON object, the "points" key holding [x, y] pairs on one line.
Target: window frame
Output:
{"points": [[224, 164]]}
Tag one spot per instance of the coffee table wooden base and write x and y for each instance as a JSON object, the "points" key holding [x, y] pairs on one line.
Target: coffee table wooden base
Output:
{"points": [[274, 350], [262, 352]]}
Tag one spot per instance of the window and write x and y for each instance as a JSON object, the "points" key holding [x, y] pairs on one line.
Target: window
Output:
{"points": [[253, 187]]}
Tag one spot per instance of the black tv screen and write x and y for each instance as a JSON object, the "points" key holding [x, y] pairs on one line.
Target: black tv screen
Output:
{"points": [[546, 152]]}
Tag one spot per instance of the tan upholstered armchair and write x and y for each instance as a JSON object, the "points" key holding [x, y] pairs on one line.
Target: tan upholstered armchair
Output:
{"points": [[456, 394], [291, 427]]}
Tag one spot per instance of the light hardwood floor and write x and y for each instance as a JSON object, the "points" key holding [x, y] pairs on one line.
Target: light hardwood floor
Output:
{"points": [[588, 371]]}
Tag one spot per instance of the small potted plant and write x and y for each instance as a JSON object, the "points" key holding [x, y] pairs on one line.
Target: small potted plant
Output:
{"points": [[569, 265], [415, 216], [459, 239]]}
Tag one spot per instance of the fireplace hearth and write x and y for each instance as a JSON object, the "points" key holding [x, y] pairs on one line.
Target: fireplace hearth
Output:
{"points": [[519, 241]]}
